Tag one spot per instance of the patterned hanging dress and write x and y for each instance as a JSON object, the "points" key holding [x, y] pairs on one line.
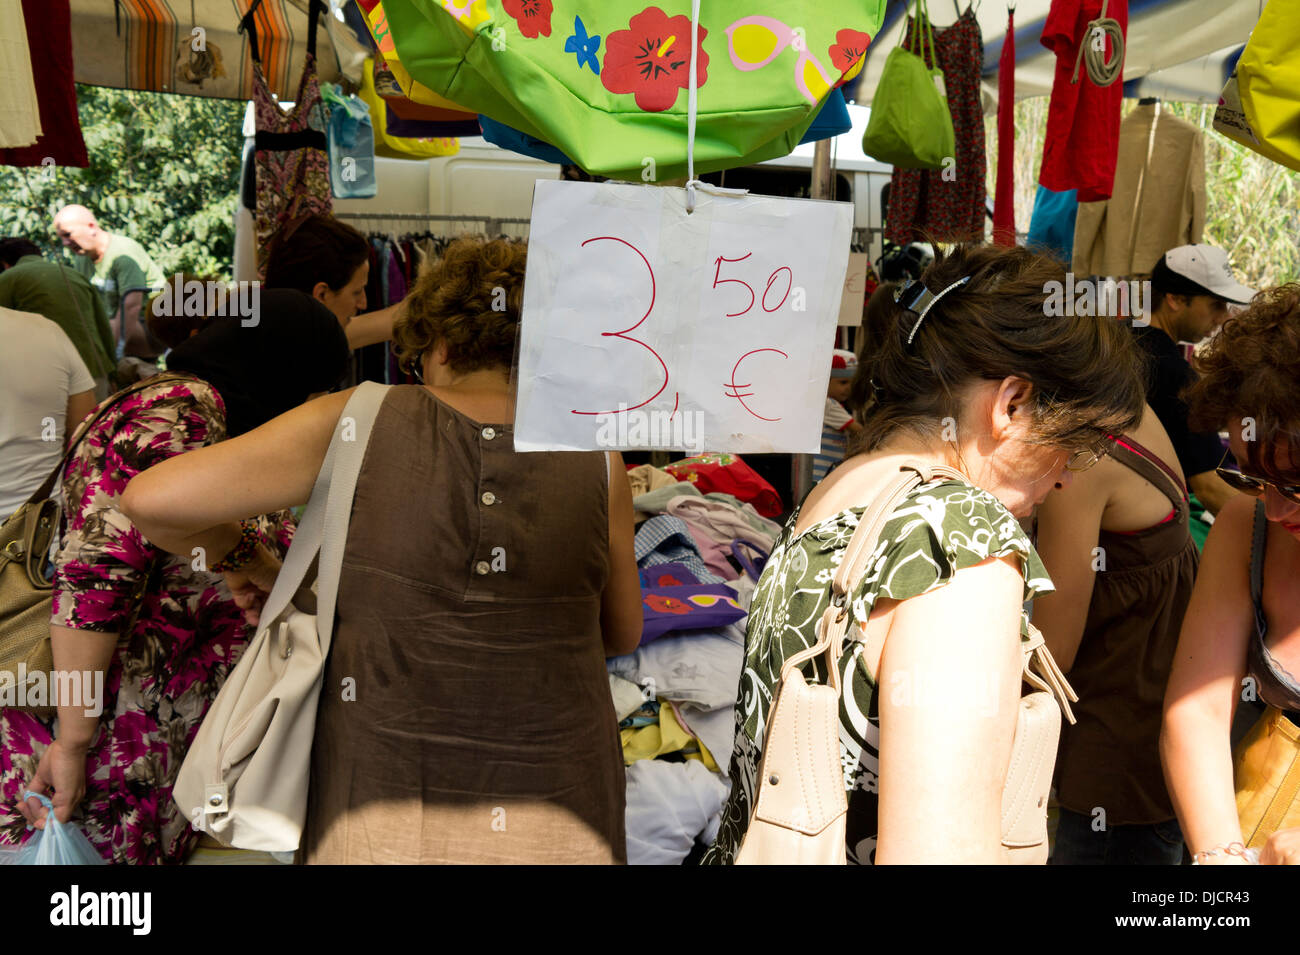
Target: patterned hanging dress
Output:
{"points": [[947, 205], [291, 158]]}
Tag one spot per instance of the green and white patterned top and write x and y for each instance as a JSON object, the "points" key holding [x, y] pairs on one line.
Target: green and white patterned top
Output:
{"points": [[940, 528]]}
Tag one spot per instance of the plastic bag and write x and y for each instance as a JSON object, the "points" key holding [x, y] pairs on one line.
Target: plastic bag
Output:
{"points": [[58, 843]]}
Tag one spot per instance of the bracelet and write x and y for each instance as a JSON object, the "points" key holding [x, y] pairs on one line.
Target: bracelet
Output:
{"points": [[243, 551], [1231, 849]]}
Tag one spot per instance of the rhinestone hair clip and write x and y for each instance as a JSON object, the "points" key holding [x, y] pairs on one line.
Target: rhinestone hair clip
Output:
{"points": [[914, 297]]}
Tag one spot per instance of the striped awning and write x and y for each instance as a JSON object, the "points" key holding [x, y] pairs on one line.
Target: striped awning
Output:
{"points": [[1176, 49], [147, 45]]}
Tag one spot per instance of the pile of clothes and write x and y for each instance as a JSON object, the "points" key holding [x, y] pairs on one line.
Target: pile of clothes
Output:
{"points": [[700, 551]]}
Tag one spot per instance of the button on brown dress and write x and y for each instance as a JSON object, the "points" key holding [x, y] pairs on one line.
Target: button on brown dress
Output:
{"points": [[465, 715]]}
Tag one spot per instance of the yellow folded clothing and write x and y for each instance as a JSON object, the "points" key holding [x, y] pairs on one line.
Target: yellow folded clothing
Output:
{"points": [[666, 736]]}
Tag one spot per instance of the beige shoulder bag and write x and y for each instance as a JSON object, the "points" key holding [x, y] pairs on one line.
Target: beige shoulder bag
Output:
{"points": [[801, 807], [244, 779]]}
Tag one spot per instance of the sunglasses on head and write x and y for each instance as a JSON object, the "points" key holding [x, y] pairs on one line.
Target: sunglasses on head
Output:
{"points": [[1255, 486]]}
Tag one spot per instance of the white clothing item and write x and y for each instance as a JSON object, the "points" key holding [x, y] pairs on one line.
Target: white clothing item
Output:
{"points": [[628, 697], [715, 729], [701, 667], [744, 588], [669, 807], [20, 115], [39, 369]]}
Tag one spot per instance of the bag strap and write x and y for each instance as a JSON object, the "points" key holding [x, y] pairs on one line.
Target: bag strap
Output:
{"points": [[324, 525], [1039, 668], [835, 620], [47, 486]]}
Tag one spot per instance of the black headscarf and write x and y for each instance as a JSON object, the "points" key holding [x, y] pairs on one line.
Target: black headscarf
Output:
{"points": [[296, 348]]}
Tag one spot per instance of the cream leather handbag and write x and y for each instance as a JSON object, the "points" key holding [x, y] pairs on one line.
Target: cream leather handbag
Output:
{"points": [[801, 806], [244, 780]]}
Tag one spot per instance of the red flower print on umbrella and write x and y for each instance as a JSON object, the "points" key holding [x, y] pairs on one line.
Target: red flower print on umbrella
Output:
{"points": [[847, 53], [533, 16], [662, 604], [652, 59], [668, 580]]}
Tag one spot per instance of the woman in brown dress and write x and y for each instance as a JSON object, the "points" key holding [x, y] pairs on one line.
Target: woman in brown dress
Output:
{"points": [[465, 715]]}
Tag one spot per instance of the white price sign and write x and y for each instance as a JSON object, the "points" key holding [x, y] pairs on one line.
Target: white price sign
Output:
{"points": [[646, 327]]}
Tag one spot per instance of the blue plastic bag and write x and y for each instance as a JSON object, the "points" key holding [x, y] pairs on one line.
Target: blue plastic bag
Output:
{"points": [[58, 843], [351, 145]]}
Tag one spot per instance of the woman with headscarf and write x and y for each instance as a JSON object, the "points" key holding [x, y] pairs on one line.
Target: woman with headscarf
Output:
{"points": [[155, 634]]}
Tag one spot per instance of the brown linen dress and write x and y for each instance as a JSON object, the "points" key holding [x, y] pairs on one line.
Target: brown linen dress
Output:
{"points": [[465, 715], [1111, 756]]}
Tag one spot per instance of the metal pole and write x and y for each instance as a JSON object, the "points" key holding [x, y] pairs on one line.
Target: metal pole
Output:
{"points": [[821, 187]]}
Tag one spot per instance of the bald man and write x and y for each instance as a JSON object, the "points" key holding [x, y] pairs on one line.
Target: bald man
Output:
{"points": [[122, 271]]}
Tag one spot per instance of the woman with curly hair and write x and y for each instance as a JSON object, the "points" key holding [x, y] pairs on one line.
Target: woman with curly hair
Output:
{"points": [[481, 591], [1242, 626]]}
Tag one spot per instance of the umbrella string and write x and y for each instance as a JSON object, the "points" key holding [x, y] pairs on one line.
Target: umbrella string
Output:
{"points": [[1101, 71], [691, 98]]}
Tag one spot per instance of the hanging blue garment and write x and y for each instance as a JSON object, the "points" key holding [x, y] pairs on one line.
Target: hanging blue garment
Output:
{"points": [[350, 145], [1051, 227]]}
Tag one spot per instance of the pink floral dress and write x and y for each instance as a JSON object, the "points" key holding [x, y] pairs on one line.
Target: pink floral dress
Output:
{"points": [[180, 632]]}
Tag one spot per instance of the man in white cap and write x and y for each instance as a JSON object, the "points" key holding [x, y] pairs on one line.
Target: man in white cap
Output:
{"points": [[1191, 287], [837, 423]]}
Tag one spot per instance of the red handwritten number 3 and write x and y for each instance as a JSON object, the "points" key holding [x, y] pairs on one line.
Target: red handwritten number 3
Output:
{"points": [[624, 333]]}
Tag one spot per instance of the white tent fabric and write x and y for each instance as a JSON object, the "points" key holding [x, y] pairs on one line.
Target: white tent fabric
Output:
{"points": [[1175, 49]]}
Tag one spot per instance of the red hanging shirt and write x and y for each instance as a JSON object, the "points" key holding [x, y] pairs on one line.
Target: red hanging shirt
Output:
{"points": [[1083, 118]]}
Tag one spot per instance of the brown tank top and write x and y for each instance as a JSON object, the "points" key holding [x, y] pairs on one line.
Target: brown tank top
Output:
{"points": [[465, 714], [1110, 758]]}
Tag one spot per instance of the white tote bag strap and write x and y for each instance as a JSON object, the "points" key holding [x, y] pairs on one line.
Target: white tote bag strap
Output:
{"points": [[339, 472], [362, 408]]}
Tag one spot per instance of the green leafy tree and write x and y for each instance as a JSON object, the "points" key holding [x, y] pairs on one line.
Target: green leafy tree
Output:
{"points": [[164, 170]]}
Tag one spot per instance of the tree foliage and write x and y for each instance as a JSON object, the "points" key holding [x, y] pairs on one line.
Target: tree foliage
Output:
{"points": [[164, 170]]}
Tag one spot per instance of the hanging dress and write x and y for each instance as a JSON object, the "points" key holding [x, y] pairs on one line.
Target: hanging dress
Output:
{"points": [[291, 155], [947, 205]]}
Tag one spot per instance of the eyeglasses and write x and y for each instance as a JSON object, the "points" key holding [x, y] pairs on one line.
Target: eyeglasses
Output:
{"points": [[1254, 486]]}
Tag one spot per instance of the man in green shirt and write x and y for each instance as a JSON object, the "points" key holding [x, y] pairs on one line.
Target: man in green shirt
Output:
{"points": [[30, 283], [122, 271]]}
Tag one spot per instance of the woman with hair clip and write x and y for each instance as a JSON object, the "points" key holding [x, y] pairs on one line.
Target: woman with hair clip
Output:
{"points": [[157, 633], [1241, 636], [967, 371]]}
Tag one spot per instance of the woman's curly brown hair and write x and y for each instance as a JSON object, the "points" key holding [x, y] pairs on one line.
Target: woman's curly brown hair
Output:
{"points": [[470, 300], [1251, 369]]}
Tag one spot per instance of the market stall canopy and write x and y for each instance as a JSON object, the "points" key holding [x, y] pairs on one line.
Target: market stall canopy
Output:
{"points": [[149, 45], [1176, 49]]}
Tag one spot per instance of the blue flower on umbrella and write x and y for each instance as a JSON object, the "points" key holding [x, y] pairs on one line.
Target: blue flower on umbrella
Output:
{"points": [[583, 45]]}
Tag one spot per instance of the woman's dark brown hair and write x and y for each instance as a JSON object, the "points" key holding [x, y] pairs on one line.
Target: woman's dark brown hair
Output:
{"points": [[470, 300], [315, 249], [1251, 370], [1085, 371]]}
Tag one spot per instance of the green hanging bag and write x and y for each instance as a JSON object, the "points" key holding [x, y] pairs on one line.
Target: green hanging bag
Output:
{"points": [[910, 125], [606, 81]]}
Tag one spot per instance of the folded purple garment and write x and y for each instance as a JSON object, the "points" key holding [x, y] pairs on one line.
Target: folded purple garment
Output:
{"points": [[672, 574], [688, 607]]}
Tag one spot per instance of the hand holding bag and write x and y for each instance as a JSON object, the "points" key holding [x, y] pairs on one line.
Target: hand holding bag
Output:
{"points": [[245, 777], [801, 807], [910, 125]]}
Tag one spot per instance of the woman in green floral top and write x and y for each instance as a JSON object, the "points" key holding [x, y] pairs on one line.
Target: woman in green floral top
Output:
{"points": [[1014, 399]]}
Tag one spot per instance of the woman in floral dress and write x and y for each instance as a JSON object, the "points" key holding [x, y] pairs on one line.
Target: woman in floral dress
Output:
{"points": [[979, 378], [162, 631]]}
